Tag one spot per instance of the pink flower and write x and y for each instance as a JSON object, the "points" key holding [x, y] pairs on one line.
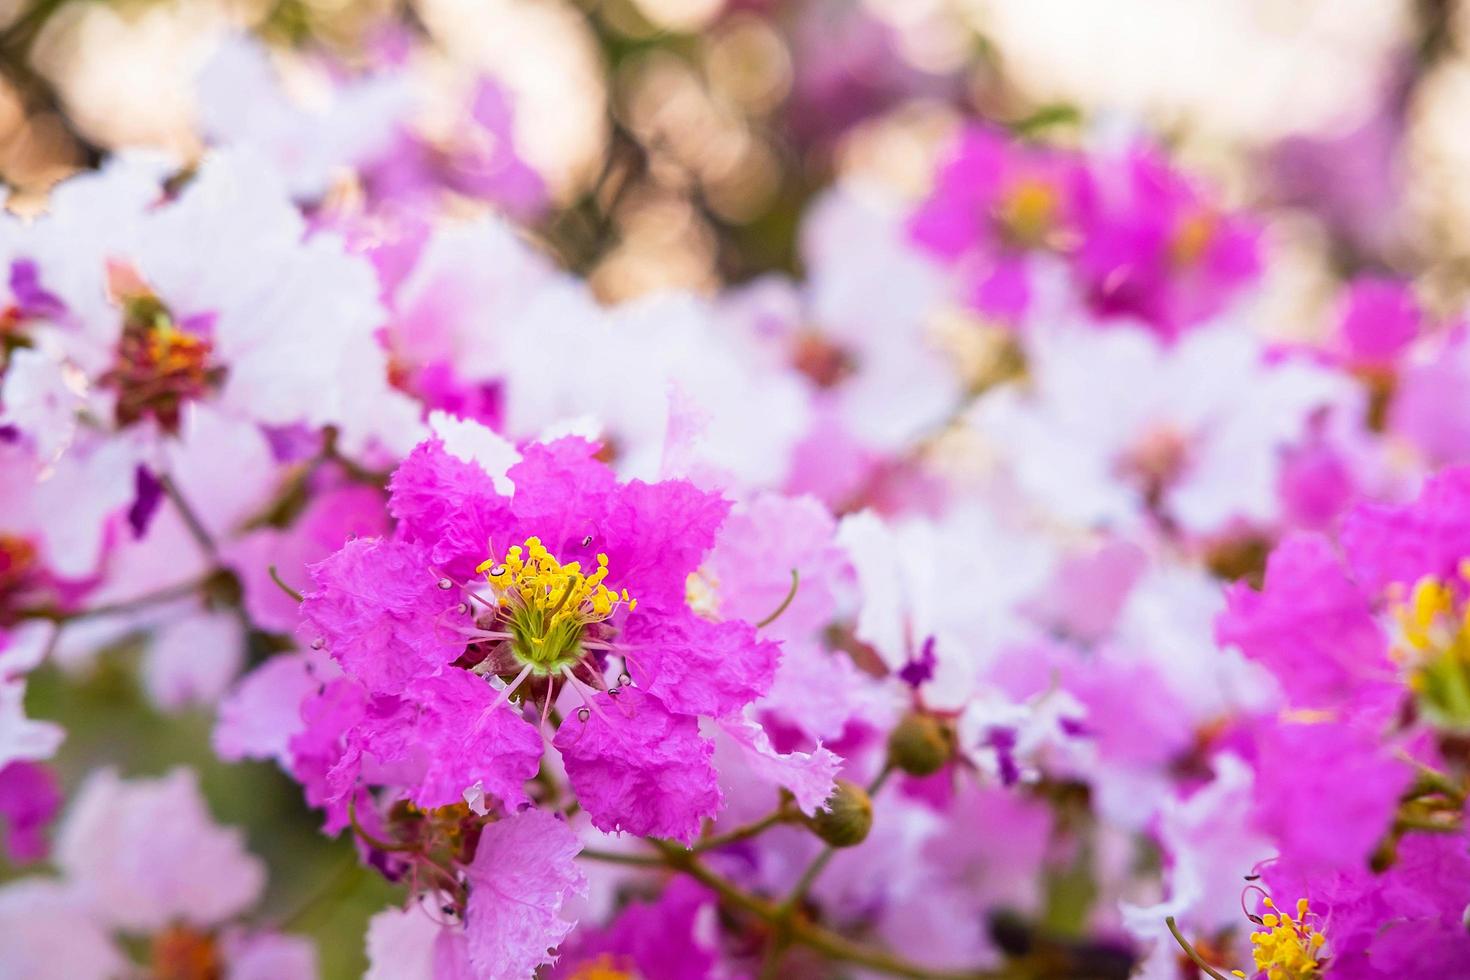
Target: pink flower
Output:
{"points": [[1399, 544], [1405, 922], [995, 202], [522, 876], [29, 799], [434, 662], [1428, 408], [1379, 320], [1313, 628], [146, 853], [1156, 248], [1326, 792], [666, 938]]}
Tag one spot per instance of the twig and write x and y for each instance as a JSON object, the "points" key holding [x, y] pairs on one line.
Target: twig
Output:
{"points": [[781, 814], [615, 857], [180, 591], [191, 520]]}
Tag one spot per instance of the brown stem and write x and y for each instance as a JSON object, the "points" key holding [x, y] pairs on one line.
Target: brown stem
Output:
{"points": [[191, 520], [781, 814], [797, 929], [181, 591], [616, 857]]}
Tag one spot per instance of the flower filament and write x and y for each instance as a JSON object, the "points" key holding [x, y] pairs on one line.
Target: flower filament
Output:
{"points": [[160, 365], [1028, 212], [1433, 639], [1287, 948], [546, 606]]}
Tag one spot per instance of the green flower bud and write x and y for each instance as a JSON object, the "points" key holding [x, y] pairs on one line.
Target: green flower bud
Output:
{"points": [[920, 745], [847, 818]]}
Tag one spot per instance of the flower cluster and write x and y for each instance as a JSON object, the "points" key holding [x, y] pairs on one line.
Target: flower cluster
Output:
{"points": [[994, 597]]}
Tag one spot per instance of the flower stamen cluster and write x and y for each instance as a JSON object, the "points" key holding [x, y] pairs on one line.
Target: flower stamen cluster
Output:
{"points": [[546, 606], [160, 365], [1434, 642], [1287, 948]]}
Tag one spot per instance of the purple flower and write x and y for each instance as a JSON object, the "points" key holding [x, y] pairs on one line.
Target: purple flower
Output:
{"points": [[494, 596], [1155, 248], [995, 202]]}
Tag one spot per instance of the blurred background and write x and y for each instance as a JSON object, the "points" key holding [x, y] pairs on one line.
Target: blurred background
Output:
{"points": [[679, 140]]}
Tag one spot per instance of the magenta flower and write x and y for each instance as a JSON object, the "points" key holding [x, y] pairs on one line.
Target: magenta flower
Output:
{"points": [[29, 799], [1379, 319], [1327, 792], [1156, 249], [494, 597], [995, 203], [1313, 628]]}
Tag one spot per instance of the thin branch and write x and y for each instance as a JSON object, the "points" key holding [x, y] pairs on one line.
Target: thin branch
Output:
{"points": [[191, 519], [615, 857], [180, 591], [781, 814]]}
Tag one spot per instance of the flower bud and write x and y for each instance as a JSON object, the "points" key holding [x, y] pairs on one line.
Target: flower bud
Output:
{"points": [[847, 818], [920, 745]]}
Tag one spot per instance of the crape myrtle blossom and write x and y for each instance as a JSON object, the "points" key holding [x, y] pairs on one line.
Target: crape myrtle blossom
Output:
{"points": [[197, 583], [1118, 429], [1155, 248], [438, 628], [364, 125], [143, 859], [972, 591], [1139, 239], [1365, 645], [452, 659], [205, 293], [996, 203]]}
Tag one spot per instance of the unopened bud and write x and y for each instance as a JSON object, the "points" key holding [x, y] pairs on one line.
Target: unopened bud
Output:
{"points": [[920, 745], [847, 818]]}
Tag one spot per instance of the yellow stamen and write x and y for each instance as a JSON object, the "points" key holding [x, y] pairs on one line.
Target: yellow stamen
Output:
{"points": [[548, 604], [1287, 948]]}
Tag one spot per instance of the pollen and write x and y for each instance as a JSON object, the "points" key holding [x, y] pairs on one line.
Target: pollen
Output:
{"points": [[548, 605], [603, 967], [1432, 642], [1288, 948], [1192, 238], [159, 365], [1027, 212]]}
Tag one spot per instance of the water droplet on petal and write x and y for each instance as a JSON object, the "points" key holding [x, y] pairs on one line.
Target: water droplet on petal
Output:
{"points": [[318, 643], [624, 679], [613, 692], [446, 584], [583, 714], [587, 541]]}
